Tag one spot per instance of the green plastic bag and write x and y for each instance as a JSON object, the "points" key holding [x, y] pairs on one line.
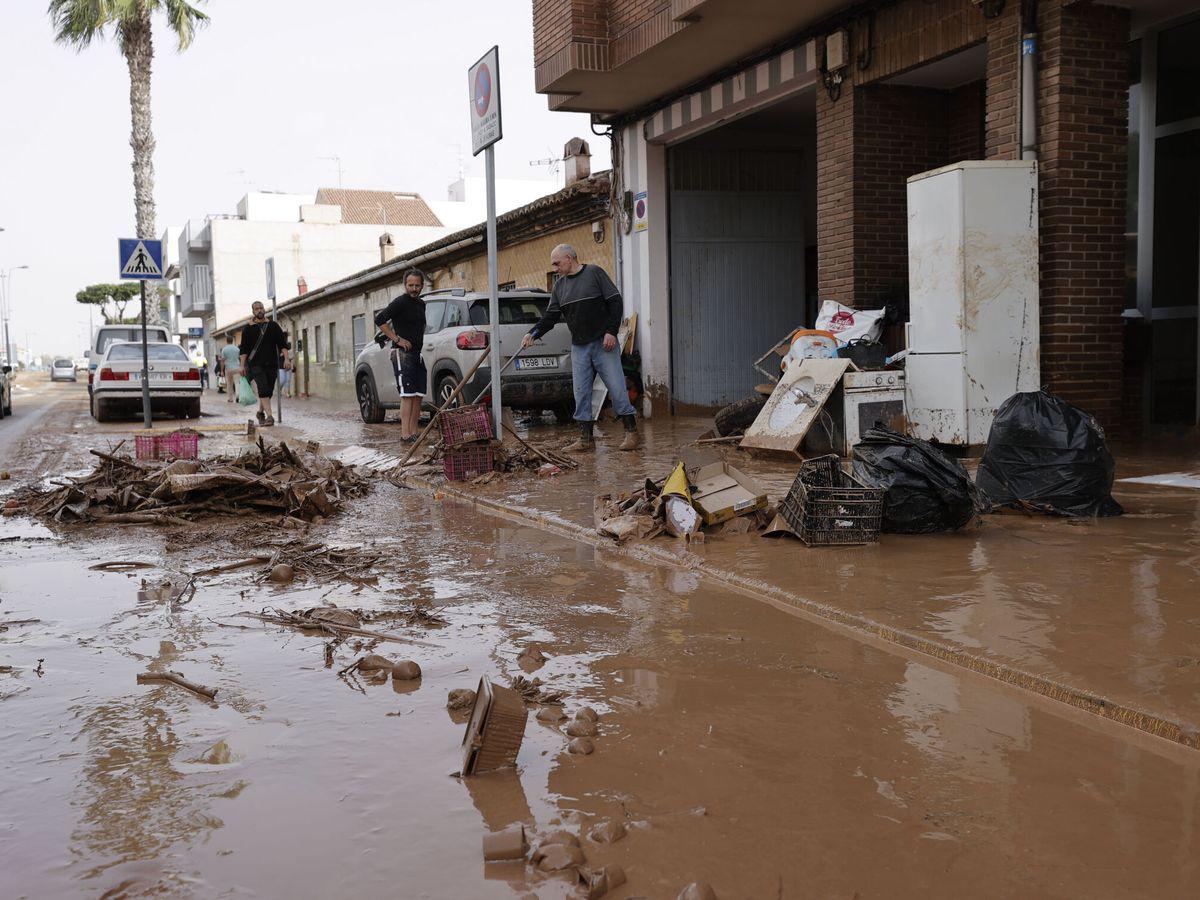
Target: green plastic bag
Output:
{"points": [[245, 393]]}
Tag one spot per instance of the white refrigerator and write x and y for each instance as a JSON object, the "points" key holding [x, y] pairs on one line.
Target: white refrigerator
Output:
{"points": [[973, 296]]}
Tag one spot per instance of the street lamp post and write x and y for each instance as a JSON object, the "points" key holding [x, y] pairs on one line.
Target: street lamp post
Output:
{"points": [[7, 285]]}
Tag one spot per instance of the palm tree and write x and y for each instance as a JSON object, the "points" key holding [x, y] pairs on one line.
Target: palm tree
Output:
{"points": [[78, 23]]}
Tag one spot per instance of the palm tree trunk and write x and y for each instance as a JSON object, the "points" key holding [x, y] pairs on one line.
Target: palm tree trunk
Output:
{"points": [[137, 44]]}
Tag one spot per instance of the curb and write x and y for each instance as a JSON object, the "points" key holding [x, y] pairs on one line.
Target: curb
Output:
{"points": [[1097, 705]]}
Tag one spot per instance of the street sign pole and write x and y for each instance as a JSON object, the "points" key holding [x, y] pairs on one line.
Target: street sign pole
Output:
{"points": [[145, 366], [483, 82], [489, 159], [275, 319]]}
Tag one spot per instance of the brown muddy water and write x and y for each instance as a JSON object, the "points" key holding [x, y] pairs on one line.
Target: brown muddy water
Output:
{"points": [[739, 745]]}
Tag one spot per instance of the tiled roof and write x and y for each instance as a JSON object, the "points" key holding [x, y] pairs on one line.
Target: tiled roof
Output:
{"points": [[379, 207]]}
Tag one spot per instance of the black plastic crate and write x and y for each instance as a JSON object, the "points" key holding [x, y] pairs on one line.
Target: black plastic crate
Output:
{"points": [[827, 507]]}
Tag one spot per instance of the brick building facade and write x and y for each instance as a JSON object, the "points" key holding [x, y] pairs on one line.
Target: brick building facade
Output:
{"points": [[925, 84]]}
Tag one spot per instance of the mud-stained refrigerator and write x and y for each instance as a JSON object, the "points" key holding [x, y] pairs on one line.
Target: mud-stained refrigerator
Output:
{"points": [[973, 296]]}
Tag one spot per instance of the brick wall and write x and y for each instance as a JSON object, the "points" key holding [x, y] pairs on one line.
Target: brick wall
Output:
{"points": [[965, 122], [1082, 135], [1003, 137], [556, 23]]}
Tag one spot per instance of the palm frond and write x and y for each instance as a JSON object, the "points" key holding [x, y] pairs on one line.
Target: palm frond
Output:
{"points": [[79, 22], [184, 19]]}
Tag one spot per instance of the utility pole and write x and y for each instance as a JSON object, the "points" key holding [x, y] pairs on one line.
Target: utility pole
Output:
{"points": [[338, 160], [7, 297]]}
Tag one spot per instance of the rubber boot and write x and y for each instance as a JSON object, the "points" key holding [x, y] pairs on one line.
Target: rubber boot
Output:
{"points": [[585, 444], [633, 440]]}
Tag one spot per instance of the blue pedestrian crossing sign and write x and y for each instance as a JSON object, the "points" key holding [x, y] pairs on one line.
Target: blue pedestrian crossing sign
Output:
{"points": [[141, 260]]}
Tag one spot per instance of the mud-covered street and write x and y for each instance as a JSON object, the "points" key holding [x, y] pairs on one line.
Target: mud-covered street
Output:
{"points": [[749, 742]]}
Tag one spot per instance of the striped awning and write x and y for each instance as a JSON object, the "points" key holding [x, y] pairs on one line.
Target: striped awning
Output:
{"points": [[749, 89]]}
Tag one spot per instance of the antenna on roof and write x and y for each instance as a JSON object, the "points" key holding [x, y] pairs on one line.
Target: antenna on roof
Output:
{"points": [[551, 162], [338, 160]]}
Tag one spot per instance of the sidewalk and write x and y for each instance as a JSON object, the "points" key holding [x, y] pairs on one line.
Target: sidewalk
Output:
{"points": [[1099, 614]]}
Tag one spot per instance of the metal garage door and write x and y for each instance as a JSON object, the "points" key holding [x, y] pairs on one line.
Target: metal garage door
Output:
{"points": [[737, 266]]}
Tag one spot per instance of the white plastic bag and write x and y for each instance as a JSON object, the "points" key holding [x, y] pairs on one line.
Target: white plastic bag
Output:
{"points": [[849, 324]]}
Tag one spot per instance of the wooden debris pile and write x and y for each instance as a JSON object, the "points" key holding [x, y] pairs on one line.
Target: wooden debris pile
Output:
{"points": [[314, 561], [264, 480]]}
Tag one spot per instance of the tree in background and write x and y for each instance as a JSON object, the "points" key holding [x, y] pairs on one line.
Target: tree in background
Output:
{"points": [[118, 295], [77, 23]]}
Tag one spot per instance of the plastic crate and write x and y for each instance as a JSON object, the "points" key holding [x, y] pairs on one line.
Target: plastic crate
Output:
{"points": [[179, 445], [465, 425], [827, 507], [468, 461], [146, 446]]}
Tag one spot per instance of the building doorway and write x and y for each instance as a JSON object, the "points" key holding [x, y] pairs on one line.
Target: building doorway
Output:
{"points": [[742, 213]]}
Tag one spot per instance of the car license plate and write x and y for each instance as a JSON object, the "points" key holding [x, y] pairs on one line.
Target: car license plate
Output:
{"points": [[537, 362], [154, 376]]}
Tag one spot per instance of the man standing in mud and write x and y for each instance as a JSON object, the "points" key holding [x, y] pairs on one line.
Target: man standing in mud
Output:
{"points": [[403, 322], [585, 296]]}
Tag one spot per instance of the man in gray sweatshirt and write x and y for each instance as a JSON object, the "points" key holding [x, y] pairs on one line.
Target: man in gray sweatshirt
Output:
{"points": [[590, 303]]}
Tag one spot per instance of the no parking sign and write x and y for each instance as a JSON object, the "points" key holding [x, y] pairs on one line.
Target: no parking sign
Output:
{"points": [[483, 79]]}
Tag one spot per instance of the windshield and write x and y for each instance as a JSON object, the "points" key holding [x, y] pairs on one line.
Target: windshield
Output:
{"points": [[159, 352], [63, 364], [513, 310], [108, 335]]}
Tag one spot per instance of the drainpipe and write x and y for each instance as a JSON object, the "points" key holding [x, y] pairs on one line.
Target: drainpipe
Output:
{"points": [[1029, 80]]}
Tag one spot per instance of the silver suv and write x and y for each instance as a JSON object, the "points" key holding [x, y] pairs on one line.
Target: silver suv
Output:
{"points": [[456, 333]]}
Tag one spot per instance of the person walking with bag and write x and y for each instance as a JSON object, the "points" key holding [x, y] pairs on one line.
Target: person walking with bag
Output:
{"points": [[263, 345], [590, 303], [230, 359]]}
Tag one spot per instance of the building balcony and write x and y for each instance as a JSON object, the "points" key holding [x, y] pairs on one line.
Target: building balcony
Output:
{"points": [[614, 56]]}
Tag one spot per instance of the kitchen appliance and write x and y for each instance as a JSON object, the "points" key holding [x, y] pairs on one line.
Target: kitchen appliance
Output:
{"points": [[973, 296], [870, 399]]}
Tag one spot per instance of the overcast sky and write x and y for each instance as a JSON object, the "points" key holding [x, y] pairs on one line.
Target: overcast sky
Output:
{"points": [[268, 88]]}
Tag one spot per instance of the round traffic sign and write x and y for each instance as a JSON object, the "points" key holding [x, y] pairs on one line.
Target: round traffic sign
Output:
{"points": [[483, 89]]}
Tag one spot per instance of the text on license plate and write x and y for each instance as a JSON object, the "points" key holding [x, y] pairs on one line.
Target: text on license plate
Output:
{"points": [[537, 362], [154, 376]]}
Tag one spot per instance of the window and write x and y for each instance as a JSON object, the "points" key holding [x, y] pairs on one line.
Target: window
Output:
{"points": [[454, 314], [358, 331], [317, 346], [513, 310], [157, 352], [333, 342], [200, 285], [434, 309]]}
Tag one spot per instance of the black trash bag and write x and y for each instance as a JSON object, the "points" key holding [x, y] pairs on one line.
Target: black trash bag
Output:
{"points": [[925, 490], [1044, 453]]}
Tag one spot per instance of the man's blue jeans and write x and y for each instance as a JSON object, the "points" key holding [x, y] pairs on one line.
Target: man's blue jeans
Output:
{"points": [[588, 361]]}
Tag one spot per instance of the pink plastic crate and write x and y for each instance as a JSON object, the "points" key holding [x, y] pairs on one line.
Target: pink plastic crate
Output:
{"points": [[466, 425], [179, 445], [468, 461], [146, 446]]}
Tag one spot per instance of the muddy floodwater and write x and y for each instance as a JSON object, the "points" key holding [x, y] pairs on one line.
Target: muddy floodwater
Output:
{"points": [[739, 745]]}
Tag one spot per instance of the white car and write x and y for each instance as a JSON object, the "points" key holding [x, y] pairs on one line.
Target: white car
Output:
{"points": [[456, 334], [62, 369], [117, 386], [106, 334], [5, 389]]}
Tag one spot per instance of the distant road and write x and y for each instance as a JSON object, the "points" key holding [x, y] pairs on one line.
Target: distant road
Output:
{"points": [[33, 397]]}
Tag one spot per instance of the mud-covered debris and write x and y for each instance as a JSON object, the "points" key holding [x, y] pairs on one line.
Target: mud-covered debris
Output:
{"points": [[551, 715], [406, 670], [373, 662], [607, 832], [510, 843], [581, 746], [167, 590], [531, 659], [330, 620], [219, 754], [460, 698], [282, 573], [558, 857], [533, 692], [176, 678], [588, 713], [334, 615], [263, 480], [598, 882], [315, 561], [582, 728], [559, 836], [697, 890]]}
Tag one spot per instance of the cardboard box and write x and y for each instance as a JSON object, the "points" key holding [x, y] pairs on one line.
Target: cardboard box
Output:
{"points": [[722, 492]]}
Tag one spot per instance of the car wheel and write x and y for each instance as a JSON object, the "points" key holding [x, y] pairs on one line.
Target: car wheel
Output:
{"points": [[368, 403], [193, 408], [100, 410], [446, 386]]}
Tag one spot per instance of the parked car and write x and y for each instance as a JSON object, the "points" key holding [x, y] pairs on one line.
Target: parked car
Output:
{"points": [[174, 381], [457, 331], [62, 369], [106, 334], [5, 390]]}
